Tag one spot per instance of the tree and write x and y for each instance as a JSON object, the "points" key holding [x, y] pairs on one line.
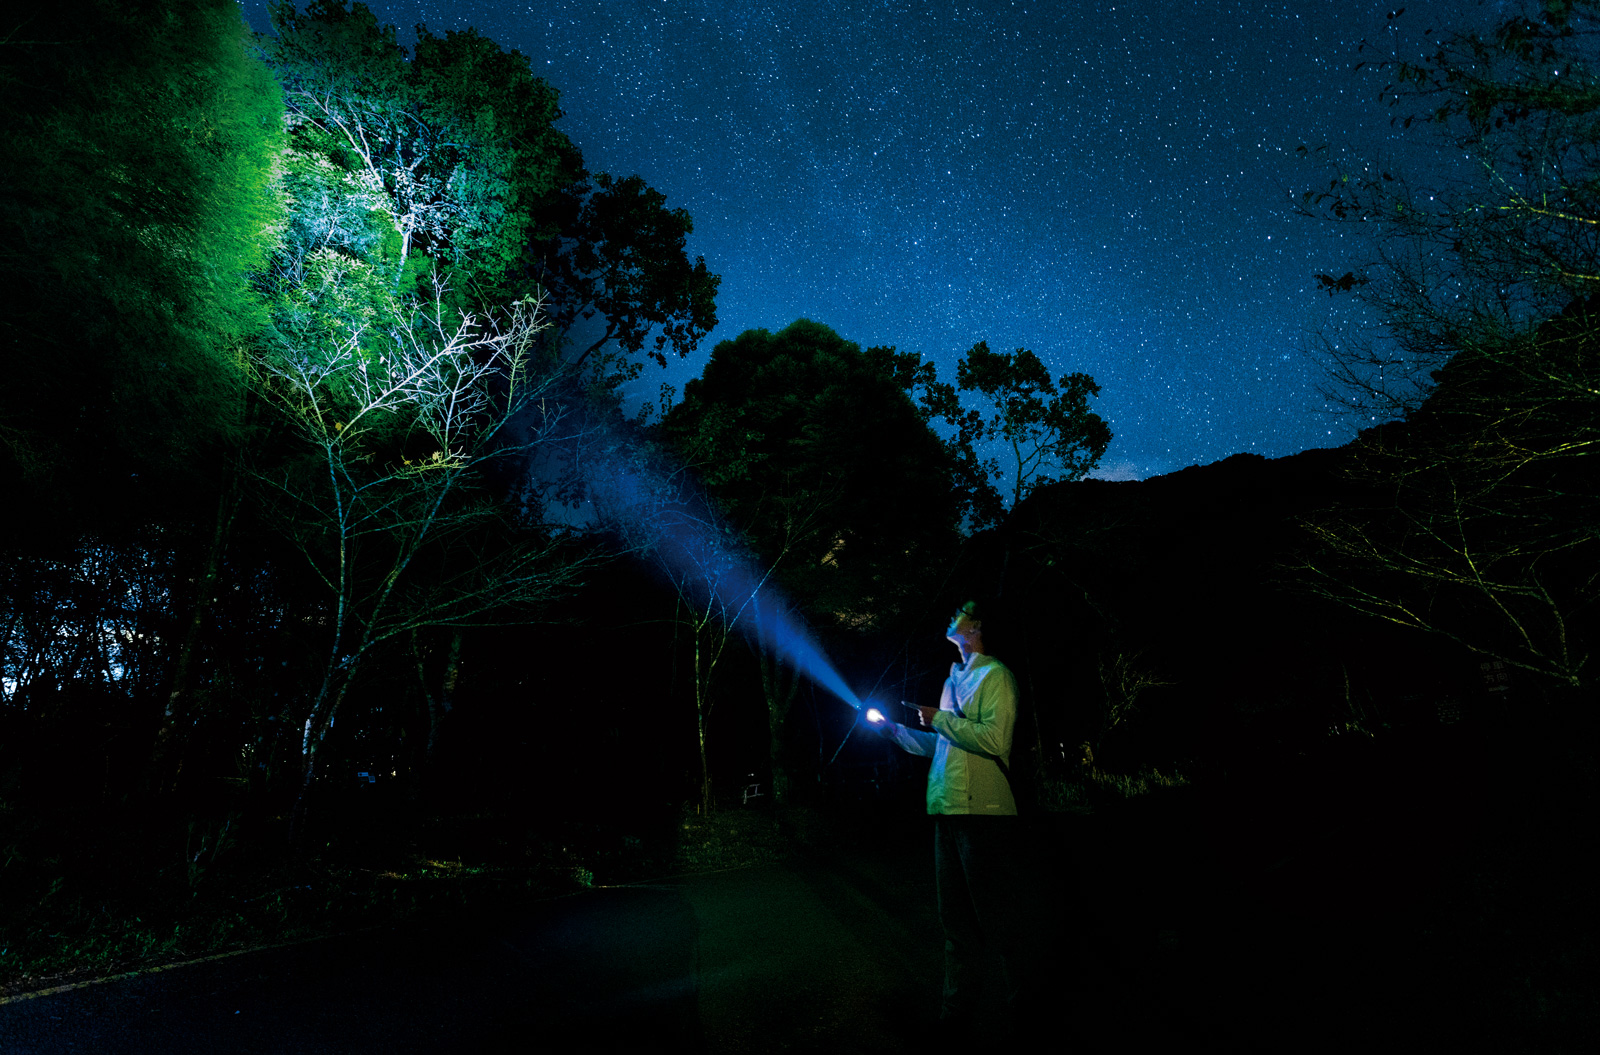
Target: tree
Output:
{"points": [[386, 493], [653, 508], [138, 144], [412, 389], [443, 157], [1047, 425], [1479, 529], [813, 452], [618, 252], [457, 150], [137, 147]]}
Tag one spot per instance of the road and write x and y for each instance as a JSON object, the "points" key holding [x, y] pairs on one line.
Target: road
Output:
{"points": [[839, 955], [1307, 946]]}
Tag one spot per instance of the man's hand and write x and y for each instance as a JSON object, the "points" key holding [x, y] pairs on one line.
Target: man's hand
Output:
{"points": [[878, 722], [925, 714]]}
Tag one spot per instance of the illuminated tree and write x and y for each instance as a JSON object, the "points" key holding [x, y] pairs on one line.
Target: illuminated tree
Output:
{"points": [[443, 157], [137, 146], [393, 437], [452, 157]]}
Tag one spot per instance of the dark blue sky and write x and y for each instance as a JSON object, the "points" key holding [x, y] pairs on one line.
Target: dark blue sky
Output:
{"points": [[1106, 183]]}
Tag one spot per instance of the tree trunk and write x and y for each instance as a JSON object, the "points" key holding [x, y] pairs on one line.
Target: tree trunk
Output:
{"points": [[167, 756], [316, 731], [702, 686], [439, 705], [779, 693]]}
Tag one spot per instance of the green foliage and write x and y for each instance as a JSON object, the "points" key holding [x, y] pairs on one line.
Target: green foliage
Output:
{"points": [[503, 104], [410, 184], [454, 153], [408, 367], [813, 449], [732, 838], [450, 151], [137, 148], [331, 207], [95, 894]]}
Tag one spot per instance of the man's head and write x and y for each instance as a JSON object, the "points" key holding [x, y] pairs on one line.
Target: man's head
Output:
{"points": [[966, 627]]}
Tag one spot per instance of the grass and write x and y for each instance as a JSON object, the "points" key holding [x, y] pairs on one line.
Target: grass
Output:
{"points": [[84, 896], [1084, 794], [81, 899], [84, 930], [734, 838]]}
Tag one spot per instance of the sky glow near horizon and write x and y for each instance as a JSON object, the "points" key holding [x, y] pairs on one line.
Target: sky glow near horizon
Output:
{"points": [[1107, 184]]}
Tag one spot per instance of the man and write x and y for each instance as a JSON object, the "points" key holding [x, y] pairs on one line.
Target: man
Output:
{"points": [[975, 837]]}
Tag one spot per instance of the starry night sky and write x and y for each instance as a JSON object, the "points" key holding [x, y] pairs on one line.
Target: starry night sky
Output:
{"points": [[1106, 183]]}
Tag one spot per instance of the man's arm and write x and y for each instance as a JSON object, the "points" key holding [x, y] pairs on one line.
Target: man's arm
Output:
{"points": [[912, 741], [991, 715]]}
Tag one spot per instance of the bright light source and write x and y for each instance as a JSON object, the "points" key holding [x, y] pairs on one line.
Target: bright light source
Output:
{"points": [[874, 715]]}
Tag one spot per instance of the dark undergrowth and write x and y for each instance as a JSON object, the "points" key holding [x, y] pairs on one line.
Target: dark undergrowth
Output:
{"points": [[1423, 894], [89, 893], [1422, 891]]}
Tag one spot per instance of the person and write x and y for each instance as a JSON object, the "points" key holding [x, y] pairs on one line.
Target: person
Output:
{"points": [[976, 849]]}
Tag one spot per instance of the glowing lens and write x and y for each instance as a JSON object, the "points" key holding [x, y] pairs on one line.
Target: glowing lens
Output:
{"points": [[874, 715]]}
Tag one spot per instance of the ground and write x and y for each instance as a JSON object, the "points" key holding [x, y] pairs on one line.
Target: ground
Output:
{"points": [[1179, 924]]}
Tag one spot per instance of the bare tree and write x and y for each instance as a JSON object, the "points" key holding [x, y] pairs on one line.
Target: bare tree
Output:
{"points": [[1480, 503], [661, 515], [1478, 525], [389, 502]]}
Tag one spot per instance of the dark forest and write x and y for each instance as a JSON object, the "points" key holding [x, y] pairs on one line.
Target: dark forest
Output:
{"points": [[342, 592]]}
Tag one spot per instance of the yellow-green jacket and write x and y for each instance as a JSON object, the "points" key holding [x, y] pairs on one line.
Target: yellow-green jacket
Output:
{"points": [[977, 713]]}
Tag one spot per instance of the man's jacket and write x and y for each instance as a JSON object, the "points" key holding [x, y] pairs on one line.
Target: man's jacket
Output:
{"points": [[977, 713]]}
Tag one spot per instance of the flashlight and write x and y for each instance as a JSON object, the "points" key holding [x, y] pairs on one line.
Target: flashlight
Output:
{"points": [[874, 716]]}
